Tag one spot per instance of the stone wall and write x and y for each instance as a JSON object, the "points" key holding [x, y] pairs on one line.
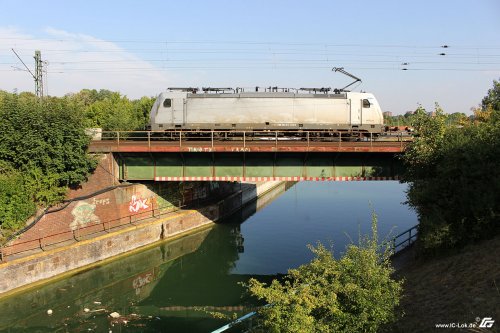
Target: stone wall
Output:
{"points": [[83, 232], [90, 214]]}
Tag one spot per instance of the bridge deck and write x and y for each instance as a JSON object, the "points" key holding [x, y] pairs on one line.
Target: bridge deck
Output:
{"points": [[146, 146]]}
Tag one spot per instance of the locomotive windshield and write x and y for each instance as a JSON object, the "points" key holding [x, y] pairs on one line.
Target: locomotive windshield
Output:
{"points": [[167, 103]]}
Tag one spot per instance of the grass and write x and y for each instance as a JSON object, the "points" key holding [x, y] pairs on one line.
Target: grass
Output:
{"points": [[454, 288]]}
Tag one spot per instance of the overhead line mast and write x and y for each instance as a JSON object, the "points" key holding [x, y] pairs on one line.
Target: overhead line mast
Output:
{"points": [[38, 76]]}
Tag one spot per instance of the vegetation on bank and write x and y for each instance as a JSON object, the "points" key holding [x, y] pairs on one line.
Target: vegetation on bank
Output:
{"points": [[454, 185], [43, 146], [407, 120], [352, 294], [454, 176]]}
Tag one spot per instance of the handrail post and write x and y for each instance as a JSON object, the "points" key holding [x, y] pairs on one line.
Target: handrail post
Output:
{"points": [[118, 137], [244, 139], [307, 136], [212, 137], [276, 139], [149, 140], [340, 139]]}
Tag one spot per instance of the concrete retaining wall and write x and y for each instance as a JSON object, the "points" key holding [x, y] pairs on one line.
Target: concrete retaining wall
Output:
{"points": [[39, 267]]}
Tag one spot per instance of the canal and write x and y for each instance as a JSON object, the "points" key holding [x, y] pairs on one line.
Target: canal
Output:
{"points": [[176, 286]]}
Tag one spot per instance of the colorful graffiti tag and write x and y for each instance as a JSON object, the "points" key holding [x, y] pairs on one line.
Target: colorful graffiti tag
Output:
{"points": [[137, 203]]}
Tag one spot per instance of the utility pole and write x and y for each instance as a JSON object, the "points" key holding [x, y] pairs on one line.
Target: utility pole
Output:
{"points": [[38, 76]]}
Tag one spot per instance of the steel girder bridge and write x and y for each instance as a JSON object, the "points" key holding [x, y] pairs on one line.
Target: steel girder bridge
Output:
{"points": [[274, 157]]}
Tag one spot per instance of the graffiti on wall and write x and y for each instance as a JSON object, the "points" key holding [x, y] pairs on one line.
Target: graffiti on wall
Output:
{"points": [[137, 203], [84, 214], [103, 202], [141, 280]]}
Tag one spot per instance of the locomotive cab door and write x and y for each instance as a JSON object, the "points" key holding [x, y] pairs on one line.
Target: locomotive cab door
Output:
{"points": [[178, 109], [355, 112]]}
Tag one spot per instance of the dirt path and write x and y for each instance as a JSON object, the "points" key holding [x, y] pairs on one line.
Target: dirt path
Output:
{"points": [[456, 288]]}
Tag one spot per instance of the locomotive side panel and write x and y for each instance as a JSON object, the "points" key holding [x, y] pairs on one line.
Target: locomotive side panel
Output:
{"points": [[233, 110], [265, 112], [249, 111]]}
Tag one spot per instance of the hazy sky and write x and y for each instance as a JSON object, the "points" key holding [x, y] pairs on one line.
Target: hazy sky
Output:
{"points": [[142, 47]]}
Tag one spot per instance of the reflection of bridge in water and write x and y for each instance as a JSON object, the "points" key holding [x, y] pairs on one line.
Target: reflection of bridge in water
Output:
{"points": [[162, 281], [187, 157]]}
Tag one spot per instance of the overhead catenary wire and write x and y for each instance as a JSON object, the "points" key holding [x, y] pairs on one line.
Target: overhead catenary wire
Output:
{"points": [[244, 55]]}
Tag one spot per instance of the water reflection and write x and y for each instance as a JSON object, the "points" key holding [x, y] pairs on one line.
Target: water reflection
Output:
{"points": [[174, 286]]}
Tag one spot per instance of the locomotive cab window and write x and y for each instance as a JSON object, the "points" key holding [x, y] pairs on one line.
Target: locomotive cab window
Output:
{"points": [[366, 103], [167, 103]]}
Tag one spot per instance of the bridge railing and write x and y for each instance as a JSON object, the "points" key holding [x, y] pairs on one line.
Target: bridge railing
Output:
{"points": [[241, 137]]}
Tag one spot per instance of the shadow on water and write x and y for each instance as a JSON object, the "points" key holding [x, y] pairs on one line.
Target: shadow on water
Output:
{"points": [[173, 285]]}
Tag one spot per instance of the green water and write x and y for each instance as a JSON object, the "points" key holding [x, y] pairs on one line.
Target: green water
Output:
{"points": [[175, 286]]}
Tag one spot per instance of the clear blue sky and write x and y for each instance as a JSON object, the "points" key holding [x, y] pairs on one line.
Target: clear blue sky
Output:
{"points": [[142, 47]]}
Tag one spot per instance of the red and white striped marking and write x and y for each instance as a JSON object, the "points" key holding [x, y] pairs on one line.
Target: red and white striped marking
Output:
{"points": [[261, 179]]}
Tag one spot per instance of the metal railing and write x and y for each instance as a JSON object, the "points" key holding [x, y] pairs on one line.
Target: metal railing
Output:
{"points": [[243, 137], [404, 239], [80, 233]]}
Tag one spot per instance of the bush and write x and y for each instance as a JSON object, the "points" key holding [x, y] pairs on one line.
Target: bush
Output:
{"points": [[454, 181], [352, 294], [15, 199], [43, 151]]}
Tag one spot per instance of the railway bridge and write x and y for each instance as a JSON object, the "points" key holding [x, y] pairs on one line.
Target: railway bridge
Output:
{"points": [[242, 156]]}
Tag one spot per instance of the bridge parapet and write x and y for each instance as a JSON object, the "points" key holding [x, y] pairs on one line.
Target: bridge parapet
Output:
{"points": [[237, 142]]}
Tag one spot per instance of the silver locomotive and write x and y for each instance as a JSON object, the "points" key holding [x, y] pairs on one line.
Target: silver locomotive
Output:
{"points": [[306, 109]]}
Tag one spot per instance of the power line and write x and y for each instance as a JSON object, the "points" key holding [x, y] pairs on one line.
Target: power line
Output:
{"points": [[18, 57], [250, 42], [38, 76]]}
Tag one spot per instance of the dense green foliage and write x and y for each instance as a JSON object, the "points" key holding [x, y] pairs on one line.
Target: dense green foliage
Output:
{"points": [[492, 99], [43, 145], [454, 178], [42, 152], [15, 203], [111, 111], [351, 294], [409, 118]]}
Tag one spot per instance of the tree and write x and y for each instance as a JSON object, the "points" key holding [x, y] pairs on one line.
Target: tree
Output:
{"points": [[111, 111], [45, 140], [353, 294], [492, 99], [428, 132], [454, 181]]}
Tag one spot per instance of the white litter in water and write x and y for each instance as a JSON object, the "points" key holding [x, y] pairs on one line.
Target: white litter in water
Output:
{"points": [[114, 315], [49, 312]]}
